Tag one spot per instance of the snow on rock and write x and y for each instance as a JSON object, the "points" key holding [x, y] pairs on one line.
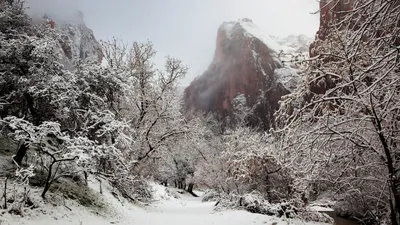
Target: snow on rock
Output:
{"points": [[254, 31], [249, 62], [251, 30], [227, 27], [284, 49], [294, 43], [321, 209], [322, 205], [288, 77], [76, 41], [290, 44]]}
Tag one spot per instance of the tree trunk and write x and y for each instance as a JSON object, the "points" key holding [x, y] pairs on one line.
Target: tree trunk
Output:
{"points": [[31, 106], [86, 177], [394, 181], [5, 194], [48, 181], [21, 152], [190, 189], [180, 184]]}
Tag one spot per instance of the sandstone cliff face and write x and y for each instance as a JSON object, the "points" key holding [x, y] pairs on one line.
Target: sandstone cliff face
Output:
{"points": [[330, 13], [77, 41], [244, 63]]}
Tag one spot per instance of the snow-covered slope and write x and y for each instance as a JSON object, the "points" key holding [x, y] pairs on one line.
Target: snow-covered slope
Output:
{"points": [[167, 210], [250, 29], [290, 44], [294, 43], [286, 50]]}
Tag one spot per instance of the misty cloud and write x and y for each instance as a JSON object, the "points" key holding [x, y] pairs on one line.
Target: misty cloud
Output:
{"points": [[65, 10]]}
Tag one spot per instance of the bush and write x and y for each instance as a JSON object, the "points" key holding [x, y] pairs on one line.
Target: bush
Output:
{"points": [[135, 190], [211, 196], [349, 207], [254, 202], [309, 215], [77, 191], [172, 192]]}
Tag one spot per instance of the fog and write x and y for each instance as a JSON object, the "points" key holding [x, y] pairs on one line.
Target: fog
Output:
{"points": [[57, 9], [185, 29]]}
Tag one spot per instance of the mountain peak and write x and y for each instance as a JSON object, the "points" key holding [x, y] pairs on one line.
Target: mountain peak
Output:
{"points": [[246, 26], [76, 40], [244, 64]]}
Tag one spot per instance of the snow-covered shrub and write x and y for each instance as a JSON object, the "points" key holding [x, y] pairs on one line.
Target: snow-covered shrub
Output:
{"points": [[255, 202], [347, 207], [133, 189], [20, 201], [78, 191], [243, 162], [172, 192], [54, 154], [314, 216], [16, 194], [211, 196]]}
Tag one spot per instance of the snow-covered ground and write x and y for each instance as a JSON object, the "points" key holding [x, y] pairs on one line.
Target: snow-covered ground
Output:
{"points": [[166, 210]]}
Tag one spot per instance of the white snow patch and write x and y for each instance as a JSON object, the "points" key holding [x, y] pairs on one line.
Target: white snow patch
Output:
{"points": [[297, 43], [288, 77], [228, 28], [255, 55], [254, 31], [321, 209]]}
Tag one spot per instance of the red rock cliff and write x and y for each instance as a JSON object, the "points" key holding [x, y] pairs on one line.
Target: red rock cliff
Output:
{"points": [[330, 13], [244, 63]]}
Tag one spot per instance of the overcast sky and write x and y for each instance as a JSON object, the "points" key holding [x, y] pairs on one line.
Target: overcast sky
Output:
{"points": [[186, 29]]}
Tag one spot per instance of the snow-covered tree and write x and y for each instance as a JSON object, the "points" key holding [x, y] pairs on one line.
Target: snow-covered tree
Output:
{"points": [[152, 104], [91, 107], [240, 160], [340, 128]]}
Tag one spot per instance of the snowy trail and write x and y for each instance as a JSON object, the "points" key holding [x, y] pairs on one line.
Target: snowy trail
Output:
{"points": [[185, 210], [190, 210]]}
